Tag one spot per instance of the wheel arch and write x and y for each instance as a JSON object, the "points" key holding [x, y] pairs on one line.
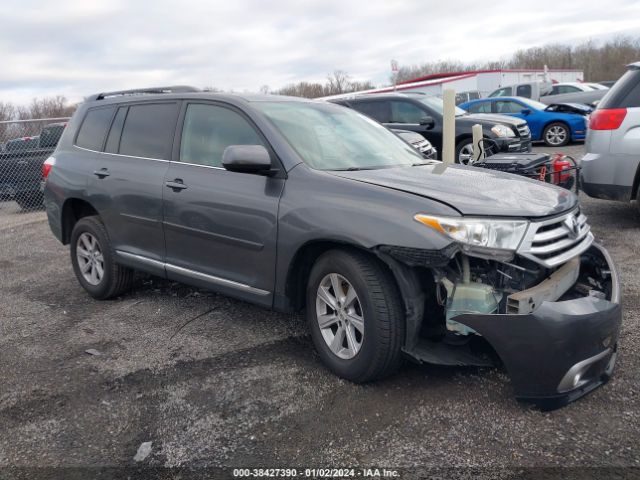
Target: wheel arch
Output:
{"points": [[73, 210], [303, 261], [636, 185]]}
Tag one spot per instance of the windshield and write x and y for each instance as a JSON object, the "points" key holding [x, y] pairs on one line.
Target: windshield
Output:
{"points": [[533, 104], [330, 137], [436, 103]]}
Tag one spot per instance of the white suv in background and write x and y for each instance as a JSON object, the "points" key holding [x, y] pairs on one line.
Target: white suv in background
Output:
{"points": [[610, 168]]}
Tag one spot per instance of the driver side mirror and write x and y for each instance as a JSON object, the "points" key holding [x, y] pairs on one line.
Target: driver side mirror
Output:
{"points": [[247, 159], [525, 111], [427, 122]]}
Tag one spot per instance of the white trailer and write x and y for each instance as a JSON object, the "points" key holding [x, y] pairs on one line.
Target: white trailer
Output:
{"points": [[477, 83]]}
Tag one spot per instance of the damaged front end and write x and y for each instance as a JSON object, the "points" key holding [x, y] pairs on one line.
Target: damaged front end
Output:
{"points": [[549, 312]]}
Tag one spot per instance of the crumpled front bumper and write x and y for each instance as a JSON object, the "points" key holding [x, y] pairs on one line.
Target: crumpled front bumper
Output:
{"points": [[545, 350]]}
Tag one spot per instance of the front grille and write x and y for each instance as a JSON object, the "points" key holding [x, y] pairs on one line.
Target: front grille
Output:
{"points": [[424, 147], [553, 242], [524, 132]]}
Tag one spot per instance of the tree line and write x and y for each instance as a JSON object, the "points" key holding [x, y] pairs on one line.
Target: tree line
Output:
{"points": [[599, 61], [50, 107]]}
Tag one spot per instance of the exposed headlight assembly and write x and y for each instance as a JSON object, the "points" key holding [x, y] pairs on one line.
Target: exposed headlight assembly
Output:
{"points": [[490, 238], [502, 131]]}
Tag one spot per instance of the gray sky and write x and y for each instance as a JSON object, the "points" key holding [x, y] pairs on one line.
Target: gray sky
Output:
{"points": [[75, 48]]}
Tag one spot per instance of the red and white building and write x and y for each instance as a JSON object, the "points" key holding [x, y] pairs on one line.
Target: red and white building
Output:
{"points": [[482, 81]]}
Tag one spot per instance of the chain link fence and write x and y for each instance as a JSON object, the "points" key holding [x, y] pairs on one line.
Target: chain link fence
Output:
{"points": [[24, 146]]}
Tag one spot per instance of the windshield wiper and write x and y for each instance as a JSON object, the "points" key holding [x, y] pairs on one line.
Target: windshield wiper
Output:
{"points": [[428, 162], [348, 169]]}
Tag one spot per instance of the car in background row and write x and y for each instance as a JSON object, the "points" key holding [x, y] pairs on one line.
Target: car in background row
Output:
{"points": [[22, 144], [575, 87], [610, 169], [21, 165], [418, 142], [423, 114], [553, 127], [543, 92]]}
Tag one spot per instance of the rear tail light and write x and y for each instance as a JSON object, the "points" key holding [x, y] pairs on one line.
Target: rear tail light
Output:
{"points": [[47, 166], [607, 119]]}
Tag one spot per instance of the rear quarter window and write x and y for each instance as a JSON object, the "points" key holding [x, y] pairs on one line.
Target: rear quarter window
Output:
{"points": [[94, 128], [625, 93]]}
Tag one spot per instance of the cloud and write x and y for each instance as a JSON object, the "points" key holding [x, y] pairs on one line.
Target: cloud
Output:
{"points": [[76, 48]]}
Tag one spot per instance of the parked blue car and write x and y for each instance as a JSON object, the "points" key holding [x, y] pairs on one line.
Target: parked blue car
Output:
{"points": [[549, 123]]}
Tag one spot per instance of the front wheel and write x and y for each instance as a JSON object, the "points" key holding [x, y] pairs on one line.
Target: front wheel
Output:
{"points": [[464, 152], [355, 315], [93, 262], [556, 135]]}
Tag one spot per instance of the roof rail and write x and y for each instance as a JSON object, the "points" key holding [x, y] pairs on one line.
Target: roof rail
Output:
{"points": [[144, 91]]}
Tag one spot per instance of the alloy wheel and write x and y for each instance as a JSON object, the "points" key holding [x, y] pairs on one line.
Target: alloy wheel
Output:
{"points": [[90, 258], [339, 315], [556, 135], [466, 154]]}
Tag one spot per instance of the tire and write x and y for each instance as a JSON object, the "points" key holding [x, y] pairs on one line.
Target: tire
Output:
{"points": [[115, 279], [462, 147], [556, 134], [379, 306], [30, 202]]}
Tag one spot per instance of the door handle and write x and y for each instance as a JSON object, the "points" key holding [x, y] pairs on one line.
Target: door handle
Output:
{"points": [[102, 173], [176, 185]]}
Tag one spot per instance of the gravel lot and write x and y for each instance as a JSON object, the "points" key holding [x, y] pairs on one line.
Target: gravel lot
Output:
{"points": [[216, 382]]}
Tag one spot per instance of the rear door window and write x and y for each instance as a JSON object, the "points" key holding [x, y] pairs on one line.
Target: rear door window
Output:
{"points": [[378, 110], [148, 130], [94, 128], [406, 112], [523, 91]]}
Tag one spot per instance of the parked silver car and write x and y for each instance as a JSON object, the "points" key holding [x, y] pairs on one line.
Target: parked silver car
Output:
{"points": [[611, 166]]}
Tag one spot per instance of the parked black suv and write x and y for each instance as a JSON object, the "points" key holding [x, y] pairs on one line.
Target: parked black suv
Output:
{"points": [[295, 204], [423, 114]]}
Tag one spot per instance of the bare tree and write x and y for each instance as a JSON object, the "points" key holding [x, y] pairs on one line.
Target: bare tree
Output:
{"points": [[338, 82], [598, 61], [7, 112], [50, 107]]}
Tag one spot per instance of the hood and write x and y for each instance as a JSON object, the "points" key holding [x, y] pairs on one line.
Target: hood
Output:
{"points": [[489, 119], [578, 108], [472, 190]]}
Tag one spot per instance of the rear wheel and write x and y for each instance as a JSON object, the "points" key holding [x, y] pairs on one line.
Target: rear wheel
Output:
{"points": [[556, 135], [355, 316], [93, 261]]}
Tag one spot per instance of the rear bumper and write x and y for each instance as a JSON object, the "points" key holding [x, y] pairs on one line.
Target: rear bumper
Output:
{"points": [[562, 350], [621, 193], [606, 175]]}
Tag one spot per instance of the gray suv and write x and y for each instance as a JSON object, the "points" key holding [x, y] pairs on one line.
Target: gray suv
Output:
{"points": [[611, 166], [302, 205]]}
